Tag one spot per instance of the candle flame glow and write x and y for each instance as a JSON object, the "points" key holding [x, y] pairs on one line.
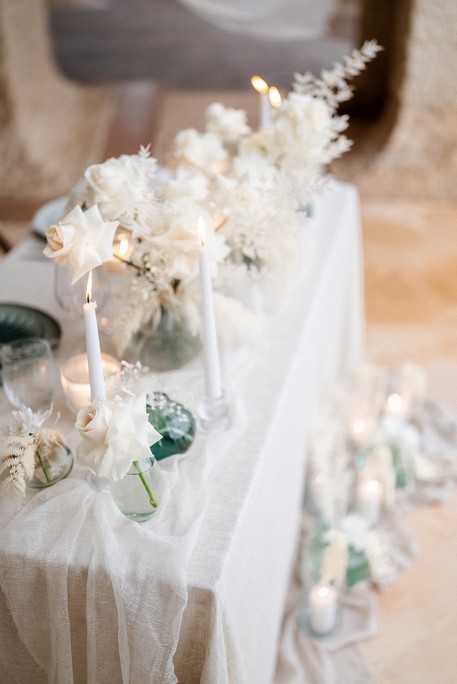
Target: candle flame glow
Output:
{"points": [[259, 84], [275, 97], [358, 427], [89, 287], [323, 591], [123, 246], [394, 404], [373, 486], [201, 230]]}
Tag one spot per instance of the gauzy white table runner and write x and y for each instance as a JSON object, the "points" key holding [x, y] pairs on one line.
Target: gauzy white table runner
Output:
{"points": [[197, 593]]}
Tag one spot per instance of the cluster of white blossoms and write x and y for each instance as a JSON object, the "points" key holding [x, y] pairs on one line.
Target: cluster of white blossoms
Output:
{"points": [[251, 188]]}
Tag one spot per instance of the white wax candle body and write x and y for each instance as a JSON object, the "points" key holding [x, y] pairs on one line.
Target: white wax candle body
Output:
{"points": [[322, 608], [210, 345], [369, 498], [265, 111], [395, 407], [317, 487], [94, 356]]}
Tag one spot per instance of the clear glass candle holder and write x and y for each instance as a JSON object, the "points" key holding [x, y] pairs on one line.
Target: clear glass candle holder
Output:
{"points": [[29, 373], [74, 376]]}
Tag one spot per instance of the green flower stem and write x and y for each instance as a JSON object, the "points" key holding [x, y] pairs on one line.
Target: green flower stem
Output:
{"points": [[48, 479], [152, 498], [127, 261]]}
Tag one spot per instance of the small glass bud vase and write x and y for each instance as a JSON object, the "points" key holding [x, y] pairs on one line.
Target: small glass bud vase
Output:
{"points": [[53, 462], [138, 494], [166, 346]]}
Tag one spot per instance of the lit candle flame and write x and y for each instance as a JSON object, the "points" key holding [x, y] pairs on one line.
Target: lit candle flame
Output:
{"points": [[201, 230], [394, 405], [373, 486], [275, 97], [89, 287], [259, 84], [323, 591], [123, 246]]}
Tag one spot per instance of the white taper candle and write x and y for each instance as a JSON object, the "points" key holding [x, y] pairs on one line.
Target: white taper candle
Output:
{"points": [[210, 345], [94, 356]]}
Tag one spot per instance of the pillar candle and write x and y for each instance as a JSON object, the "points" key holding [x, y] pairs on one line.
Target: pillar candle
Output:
{"points": [[369, 499], [322, 608]]}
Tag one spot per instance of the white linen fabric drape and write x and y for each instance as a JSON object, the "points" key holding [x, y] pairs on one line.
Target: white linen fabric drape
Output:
{"points": [[269, 19], [90, 597]]}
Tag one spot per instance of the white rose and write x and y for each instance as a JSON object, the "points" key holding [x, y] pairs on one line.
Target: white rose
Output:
{"points": [[83, 240], [105, 179], [92, 421], [114, 434]]}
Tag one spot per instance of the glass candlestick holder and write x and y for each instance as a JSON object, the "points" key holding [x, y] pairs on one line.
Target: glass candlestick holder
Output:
{"points": [[213, 415]]}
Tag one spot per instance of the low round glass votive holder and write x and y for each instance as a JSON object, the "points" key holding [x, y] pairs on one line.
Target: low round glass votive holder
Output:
{"points": [[74, 375]]}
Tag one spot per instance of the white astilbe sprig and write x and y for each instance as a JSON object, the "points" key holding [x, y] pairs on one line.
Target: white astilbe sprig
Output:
{"points": [[25, 421], [332, 86]]}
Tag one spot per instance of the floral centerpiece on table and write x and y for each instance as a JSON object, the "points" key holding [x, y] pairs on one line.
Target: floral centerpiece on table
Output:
{"points": [[253, 188], [31, 454], [116, 437]]}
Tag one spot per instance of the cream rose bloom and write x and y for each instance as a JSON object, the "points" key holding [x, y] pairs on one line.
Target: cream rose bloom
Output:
{"points": [[83, 240], [114, 434]]}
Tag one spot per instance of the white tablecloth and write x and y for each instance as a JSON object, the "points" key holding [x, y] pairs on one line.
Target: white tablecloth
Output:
{"points": [[197, 593]]}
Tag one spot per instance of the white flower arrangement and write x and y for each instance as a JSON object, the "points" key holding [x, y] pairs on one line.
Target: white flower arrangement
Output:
{"points": [[24, 451], [114, 434], [252, 188]]}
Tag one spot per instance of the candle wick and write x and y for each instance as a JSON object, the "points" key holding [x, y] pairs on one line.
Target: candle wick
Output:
{"points": [[88, 298]]}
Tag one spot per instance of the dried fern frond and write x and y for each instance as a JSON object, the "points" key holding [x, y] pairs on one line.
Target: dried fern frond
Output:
{"points": [[332, 85], [17, 465]]}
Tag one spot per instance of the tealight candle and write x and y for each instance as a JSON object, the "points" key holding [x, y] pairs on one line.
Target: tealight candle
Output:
{"points": [[74, 376], [122, 249], [323, 606], [369, 499]]}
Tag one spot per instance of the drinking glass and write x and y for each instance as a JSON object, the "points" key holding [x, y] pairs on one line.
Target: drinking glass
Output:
{"points": [[28, 373]]}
